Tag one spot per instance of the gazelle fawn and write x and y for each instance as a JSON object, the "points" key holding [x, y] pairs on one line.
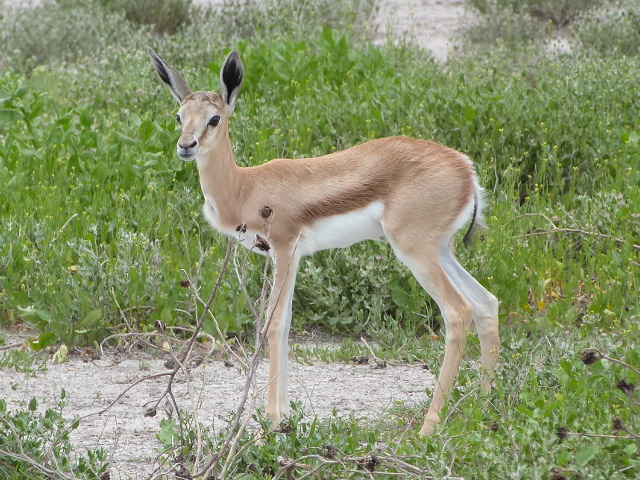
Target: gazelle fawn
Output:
{"points": [[416, 193]]}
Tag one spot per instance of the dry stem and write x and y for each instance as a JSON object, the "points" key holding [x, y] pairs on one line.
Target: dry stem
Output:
{"points": [[555, 229]]}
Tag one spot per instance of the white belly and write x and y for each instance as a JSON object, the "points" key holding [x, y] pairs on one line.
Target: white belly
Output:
{"points": [[340, 231]]}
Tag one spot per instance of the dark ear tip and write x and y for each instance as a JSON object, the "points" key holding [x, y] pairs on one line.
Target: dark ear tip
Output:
{"points": [[234, 57]]}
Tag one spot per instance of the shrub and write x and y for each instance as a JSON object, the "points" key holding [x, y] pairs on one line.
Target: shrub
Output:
{"points": [[56, 32], [165, 16], [513, 22], [559, 12], [37, 446], [613, 31]]}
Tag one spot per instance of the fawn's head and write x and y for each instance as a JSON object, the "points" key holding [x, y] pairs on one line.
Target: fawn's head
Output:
{"points": [[203, 116]]}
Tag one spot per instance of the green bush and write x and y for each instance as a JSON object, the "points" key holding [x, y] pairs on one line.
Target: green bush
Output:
{"points": [[165, 16], [612, 31], [552, 136], [505, 28], [37, 446], [558, 12], [298, 20], [512, 23], [56, 32]]}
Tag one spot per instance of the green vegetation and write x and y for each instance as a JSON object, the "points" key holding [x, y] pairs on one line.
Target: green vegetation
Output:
{"points": [[593, 27], [36, 445], [536, 425], [99, 217]]}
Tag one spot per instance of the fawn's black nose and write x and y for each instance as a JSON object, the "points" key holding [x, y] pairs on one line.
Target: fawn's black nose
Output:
{"points": [[187, 147]]}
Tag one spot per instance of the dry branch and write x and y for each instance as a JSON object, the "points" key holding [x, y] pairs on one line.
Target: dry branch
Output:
{"points": [[555, 229], [235, 430]]}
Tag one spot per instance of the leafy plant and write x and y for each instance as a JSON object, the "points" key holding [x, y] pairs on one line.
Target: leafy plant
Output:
{"points": [[37, 446], [537, 24]]}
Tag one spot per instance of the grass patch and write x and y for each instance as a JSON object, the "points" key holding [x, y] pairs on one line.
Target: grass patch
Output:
{"points": [[558, 12], [164, 16], [540, 421], [122, 221], [99, 219], [611, 31]]}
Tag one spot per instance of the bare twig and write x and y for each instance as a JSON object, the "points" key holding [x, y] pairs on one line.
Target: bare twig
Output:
{"points": [[11, 346], [124, 317], [457, 404], [233, 436], [55, 237], [578, 231], [555, 229], [143, 379], [228, 348], [376, 359], [604, 356], [599, 435], [200, 321], [345, 461], [37, 465], [187, 352]]}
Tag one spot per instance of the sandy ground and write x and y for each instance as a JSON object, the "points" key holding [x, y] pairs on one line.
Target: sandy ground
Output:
{"points": [[130, 437], [362, 391], [432, 24]]}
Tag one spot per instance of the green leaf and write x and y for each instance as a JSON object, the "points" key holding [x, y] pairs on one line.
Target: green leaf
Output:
{"points": [[586, 455], [41, 317], [10, 114], [125, 139], [470, 113], [33, 405], [399, 295], [92, 318], [146, 130], [45, 339], [168, 431], [86, 119], [525, 411]]}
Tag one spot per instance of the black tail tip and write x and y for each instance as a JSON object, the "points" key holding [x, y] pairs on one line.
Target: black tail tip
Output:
{"points": [[466, 240], [468, 237]]}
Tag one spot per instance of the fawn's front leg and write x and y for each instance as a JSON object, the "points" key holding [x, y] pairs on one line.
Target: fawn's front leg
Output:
{"points": [[279, 318]]}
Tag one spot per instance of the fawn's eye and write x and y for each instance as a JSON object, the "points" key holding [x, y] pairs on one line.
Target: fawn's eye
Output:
{"points": [[214, 121], [178, 119]]}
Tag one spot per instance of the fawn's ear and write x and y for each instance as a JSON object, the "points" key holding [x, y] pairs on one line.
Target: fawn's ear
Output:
{"points": [[231, 75], [177, 86]]}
